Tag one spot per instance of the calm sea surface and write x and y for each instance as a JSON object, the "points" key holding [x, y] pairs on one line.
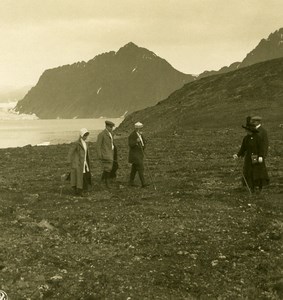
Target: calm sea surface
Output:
{"points": [[18, 133]]}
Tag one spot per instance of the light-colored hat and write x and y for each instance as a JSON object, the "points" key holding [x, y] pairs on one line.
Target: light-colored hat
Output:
{"points": [[256, 118], [138, 125], [83, 131]]}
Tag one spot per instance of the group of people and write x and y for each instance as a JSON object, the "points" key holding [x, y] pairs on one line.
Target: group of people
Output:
{"points": [[254, 149], [80, 175]]}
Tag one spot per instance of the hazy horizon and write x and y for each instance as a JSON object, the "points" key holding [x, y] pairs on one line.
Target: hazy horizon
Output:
{"points": [[192, 35]]}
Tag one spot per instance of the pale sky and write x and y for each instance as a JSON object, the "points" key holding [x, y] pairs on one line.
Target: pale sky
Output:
{"points": [[192, 35]]}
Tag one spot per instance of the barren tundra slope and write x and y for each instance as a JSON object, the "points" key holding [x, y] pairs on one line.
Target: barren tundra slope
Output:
{"points": [[200, 235], [219, 101]]}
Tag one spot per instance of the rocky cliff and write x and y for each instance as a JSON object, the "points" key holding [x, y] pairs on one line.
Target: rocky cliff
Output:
{"points": [[109, 85]]}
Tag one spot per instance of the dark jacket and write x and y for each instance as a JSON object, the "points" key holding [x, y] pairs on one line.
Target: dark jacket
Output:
{"points": [[136, 150]]}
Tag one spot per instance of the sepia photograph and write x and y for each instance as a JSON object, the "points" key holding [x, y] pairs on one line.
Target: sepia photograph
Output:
{"points": [[141, 147]]}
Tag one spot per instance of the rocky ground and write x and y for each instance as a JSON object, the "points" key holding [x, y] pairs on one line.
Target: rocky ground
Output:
{"points": [[199, 235]]}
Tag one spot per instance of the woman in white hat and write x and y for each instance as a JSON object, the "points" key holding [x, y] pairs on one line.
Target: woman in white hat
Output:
{"points": [[80, 167]]}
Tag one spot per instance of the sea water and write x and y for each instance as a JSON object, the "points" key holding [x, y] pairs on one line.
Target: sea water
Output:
{"points": [[21, 130]]}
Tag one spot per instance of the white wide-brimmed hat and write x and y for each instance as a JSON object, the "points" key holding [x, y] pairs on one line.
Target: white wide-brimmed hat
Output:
{"points": [[83, 131], [138, 125]]}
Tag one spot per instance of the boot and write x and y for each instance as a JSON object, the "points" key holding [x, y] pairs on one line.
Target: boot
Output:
{"points": [[79, 192], [131, 183], [74, 190], [144, 185], [141, 176], [107, 179], [103, 178]]}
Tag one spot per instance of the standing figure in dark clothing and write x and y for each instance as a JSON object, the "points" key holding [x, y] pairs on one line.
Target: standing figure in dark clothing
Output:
{"points": [[137, 145], [252, 149], [256, 121]]}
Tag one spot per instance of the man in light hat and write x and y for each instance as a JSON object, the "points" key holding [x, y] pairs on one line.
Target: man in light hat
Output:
{"points": [[80, 168], [105, 151], [256, 121], [137, 144]]}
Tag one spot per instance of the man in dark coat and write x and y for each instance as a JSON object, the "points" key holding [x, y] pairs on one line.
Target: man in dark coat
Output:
{"points": [[252, 149], [137, 145], [256, 121]]}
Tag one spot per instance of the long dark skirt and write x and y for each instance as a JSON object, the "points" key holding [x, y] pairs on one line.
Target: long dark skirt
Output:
{"points": [[255, 174]]}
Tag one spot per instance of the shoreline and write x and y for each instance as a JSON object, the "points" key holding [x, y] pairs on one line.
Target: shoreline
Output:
{"points": [[17, 133]]}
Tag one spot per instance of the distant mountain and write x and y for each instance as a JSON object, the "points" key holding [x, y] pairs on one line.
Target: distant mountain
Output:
{"points": [[108, 85], [222, 100], [234, 66], [12, 94], [267, 49]]}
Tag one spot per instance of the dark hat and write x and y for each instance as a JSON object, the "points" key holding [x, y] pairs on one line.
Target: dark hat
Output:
{"points": [[109, 123], [249, 126]]}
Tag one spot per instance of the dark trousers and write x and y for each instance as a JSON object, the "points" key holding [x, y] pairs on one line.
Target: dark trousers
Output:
{"points": [[105, 178], [113, 173], [86, 180], [137, 168]]}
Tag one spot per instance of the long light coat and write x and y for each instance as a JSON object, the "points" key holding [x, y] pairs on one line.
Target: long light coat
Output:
{"points": [[104, 150], [76, 158]]}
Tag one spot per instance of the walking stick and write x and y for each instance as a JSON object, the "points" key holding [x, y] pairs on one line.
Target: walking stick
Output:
{"points": [[245, 180], [148, 168], [246, 183]]}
